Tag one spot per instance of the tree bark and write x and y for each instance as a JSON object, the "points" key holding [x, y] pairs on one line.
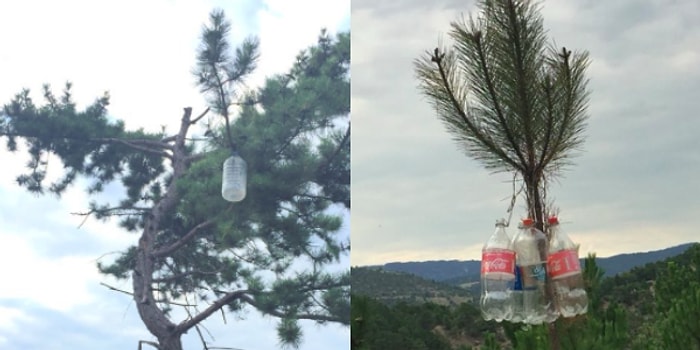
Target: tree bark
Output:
{"points": [[153, 316]]}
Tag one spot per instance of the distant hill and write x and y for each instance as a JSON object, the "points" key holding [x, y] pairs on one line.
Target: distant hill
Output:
{"points": [[458, 272], [390, 287]]}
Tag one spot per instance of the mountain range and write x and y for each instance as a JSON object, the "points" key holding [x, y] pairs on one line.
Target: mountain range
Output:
{"points": [[459, 272]]}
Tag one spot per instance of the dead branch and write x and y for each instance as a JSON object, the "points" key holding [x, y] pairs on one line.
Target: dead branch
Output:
{"points": [[153, 344], [182, 241], [135, 210], [148, 146], [184, 326], [195, 120], [132, 294]]}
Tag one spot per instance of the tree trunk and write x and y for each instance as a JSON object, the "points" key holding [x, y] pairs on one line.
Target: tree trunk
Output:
{"points": [[536, 210], [153, 316]]}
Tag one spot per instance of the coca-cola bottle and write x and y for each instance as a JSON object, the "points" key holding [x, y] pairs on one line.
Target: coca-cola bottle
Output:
{"points": [[530, 245], [497, 266], [565, 272]]}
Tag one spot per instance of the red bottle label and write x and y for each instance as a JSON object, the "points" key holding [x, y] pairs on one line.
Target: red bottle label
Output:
{"points": [[563, 263], [498, 261]]}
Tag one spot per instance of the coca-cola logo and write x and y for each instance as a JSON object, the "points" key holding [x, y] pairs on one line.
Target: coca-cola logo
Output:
{"points": [[497, 264], [563, 263], [554, 265]]}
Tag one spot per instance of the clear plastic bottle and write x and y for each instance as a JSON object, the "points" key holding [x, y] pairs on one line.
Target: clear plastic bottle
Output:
{"points": [[233, 184], [517, 293], [564, 270], [530, 246], [497, 266]]}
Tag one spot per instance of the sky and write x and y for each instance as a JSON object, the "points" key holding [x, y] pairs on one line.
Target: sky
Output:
{"points": [[143, 54], [417, 196]]}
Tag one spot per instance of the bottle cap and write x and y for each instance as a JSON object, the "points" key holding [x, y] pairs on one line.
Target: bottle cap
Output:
{"points": [[553, 220], [527, 222]]}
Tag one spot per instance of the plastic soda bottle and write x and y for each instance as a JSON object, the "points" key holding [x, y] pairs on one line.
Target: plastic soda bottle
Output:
{"points": [[564, 270], [530, 245], [497, 275]]}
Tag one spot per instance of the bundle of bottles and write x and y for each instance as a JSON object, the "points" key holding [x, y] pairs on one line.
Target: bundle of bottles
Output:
{"points": [[515, 273]]}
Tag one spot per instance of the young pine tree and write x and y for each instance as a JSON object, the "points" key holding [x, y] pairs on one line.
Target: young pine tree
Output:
{"points": [[512, 102]]}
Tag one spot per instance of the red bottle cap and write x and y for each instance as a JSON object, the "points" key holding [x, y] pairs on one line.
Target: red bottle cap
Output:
{"points": [[553, 220], [527, 222]]}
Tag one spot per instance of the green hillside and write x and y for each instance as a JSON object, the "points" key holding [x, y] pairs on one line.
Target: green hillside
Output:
{"points": [[651, 307], [393, 287]]}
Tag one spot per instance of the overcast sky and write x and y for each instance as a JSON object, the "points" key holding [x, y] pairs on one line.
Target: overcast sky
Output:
{"points": [[417, 197], [142, 52]]}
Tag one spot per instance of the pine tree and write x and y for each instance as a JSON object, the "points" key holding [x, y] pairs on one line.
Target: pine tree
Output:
{"points": [[268, 252], [677, 296], [512, 102]]}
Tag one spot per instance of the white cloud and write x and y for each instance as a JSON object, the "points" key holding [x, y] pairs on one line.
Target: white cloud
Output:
{"points": [[58, 284], [8, 317]]}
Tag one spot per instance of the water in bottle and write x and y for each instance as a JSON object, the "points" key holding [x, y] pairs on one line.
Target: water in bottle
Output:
{"points": [[565, 272], [497, 277], [530, 245]]}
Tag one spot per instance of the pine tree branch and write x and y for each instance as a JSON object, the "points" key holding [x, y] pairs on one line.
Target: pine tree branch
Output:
{"points": [[297, 132], [147, 146], [488, 79], [547, 87], [337, 150], [280, 314], [107, 212], [445, 82], [574, 89], [183, 240], [521, 80], [177, 276], [186, 325]]}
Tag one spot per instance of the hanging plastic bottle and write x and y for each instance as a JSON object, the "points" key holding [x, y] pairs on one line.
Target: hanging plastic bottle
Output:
{"points": [[517, 293], [565, 272], [233, 184], [531, 260], [497, 266]]}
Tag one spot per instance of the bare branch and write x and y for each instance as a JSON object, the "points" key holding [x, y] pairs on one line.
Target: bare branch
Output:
{"points": [[116, 289], [148, 146], [183, 240], [132, 294], [196, 327], [135, 211], [195, 120], [184, 326], [153, 344]]}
